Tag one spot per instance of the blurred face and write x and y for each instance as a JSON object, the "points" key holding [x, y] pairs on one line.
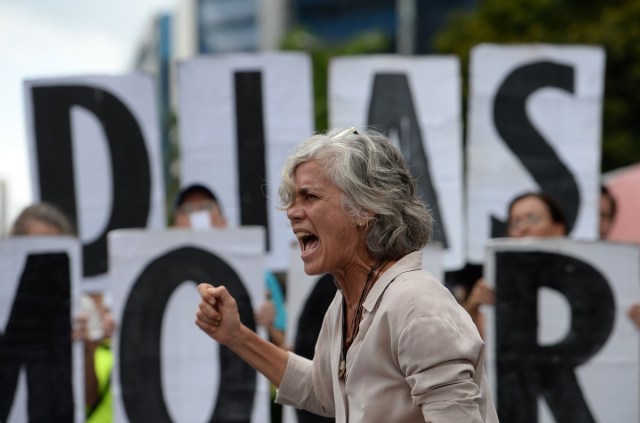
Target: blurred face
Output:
{"points": [[38, 227], [199, 204], [531, 217], [330, 242], [606, 216]]}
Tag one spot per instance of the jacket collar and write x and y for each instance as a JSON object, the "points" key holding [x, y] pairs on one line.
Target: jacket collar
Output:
{"points": [[412, 261]]}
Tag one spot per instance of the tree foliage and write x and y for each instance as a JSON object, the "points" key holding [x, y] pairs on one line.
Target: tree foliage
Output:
{"points": [[322, 52], [613, 24]]}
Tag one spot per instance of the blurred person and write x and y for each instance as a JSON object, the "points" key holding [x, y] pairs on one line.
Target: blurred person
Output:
{"points": [[535, 214], [394, 346], [608, 208], [197, 207], [99, 399], [94, 326], [41, 219], [532, 214]]}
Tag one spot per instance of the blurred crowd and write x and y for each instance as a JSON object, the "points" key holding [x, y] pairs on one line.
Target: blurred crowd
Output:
{"points": [[531, 214]]}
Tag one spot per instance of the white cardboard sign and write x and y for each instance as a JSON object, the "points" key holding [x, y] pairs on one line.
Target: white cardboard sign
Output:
{"points": [[165, 367], [560, 346], [417, 102], [240, 115], [534, 125]]}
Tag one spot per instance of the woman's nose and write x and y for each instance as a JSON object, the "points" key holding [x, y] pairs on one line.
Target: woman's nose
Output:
{"points": [[295, 211]]}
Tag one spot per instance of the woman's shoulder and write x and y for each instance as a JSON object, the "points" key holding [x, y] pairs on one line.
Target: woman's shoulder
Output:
{"points": [[418, 280], [419, 293], [416, 302]]}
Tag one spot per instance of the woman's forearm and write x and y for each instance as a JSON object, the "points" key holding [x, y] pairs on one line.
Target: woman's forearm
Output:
{"points": [[260, 354]]}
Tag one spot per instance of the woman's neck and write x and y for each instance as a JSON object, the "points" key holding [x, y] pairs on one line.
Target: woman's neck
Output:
{"points": [[352, 283]]}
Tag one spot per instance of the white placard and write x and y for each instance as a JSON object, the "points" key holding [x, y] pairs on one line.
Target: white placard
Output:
{"points": [[417, 101], [240, 115], [165, 367], [433, 260], [534, 125], [41, 277], [95, 153], [563, 305]]}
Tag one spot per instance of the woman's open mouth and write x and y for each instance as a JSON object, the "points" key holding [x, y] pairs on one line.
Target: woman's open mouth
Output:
{"points": [[308, 242]]}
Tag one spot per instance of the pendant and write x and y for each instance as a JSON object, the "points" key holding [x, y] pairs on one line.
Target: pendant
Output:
{"points": [[342, 369]]}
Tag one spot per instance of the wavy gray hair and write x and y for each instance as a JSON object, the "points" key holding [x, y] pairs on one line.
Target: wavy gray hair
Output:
{"points": [[374, 178]]}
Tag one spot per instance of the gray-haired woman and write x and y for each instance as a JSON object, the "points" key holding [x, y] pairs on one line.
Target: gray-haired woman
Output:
{"points": [[395, 346]]}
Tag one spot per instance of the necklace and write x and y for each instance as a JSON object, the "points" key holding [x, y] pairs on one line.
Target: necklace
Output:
{"points": [[355, 320]]}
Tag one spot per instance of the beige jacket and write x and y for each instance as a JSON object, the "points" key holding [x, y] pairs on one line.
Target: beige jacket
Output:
{"points": [[418, 357]]}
